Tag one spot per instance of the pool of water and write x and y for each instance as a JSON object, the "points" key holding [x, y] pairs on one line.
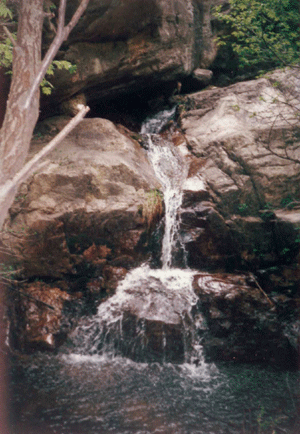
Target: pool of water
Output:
{"points": [[75, 394]]}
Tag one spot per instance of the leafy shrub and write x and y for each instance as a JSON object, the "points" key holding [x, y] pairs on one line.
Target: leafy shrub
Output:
{"points": [[264, 34]]}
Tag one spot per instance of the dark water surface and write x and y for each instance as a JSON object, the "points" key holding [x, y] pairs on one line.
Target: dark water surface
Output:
{"points": [[74, 394]]}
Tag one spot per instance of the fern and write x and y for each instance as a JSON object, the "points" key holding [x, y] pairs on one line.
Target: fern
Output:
{"points": [[5, 12]]}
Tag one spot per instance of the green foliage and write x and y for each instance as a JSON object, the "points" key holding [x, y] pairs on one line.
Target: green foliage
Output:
{"points": [[264, 34], [46, 86], [6, 52], [5, 12], [243, 208], [6, 15]]}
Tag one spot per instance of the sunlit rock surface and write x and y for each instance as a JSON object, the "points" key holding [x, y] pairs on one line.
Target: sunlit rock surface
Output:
{"points": [[89, 192], [248, 135]]}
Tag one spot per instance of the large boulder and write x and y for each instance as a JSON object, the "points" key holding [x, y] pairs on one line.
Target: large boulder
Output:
{"points": [[39, 318], [248, 134], [147, 319], [78, 221], [245, 142], [82, 209], [125, 46]]}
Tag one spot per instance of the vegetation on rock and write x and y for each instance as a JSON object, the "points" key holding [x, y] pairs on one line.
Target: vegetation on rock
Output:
{"points": [[153, 208]]}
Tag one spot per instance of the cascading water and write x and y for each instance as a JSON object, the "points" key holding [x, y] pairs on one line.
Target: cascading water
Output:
{"points": [[171, 171], [83, 389], [149, 317]]}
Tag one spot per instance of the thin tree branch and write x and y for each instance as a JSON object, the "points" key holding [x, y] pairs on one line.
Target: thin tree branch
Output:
{"points": [[9, 188], [61, 35], [10, 36], [33, 163], [271, 303], [32, 298]]}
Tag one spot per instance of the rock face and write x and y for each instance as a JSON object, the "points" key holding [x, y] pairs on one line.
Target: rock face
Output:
{"points": [[125, 46], [249, 137], [240, 322], [95, 180], [245, 138]]}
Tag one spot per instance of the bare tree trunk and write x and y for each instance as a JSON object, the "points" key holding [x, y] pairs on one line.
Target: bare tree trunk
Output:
{"points": [[23, 101], [21, 115], [19, 122]]}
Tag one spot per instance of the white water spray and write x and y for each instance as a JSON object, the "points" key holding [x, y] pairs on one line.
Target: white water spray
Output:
{"points": [[171, 171]]}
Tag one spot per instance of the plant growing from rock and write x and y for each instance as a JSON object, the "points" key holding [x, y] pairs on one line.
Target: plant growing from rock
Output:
{"points": [[153, 208]]}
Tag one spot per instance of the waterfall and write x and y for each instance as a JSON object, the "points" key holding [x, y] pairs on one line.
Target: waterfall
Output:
{"points": [[171, 171], [149, 317]]}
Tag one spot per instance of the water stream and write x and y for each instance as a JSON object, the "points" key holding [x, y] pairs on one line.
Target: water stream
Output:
{"points": [[149, 317], [171, 170], [137, 367]]}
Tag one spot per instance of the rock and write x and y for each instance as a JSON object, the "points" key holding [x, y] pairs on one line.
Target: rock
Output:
{"points": [[158, 341], [204, 76], [194, 190], [147, 319], [112, 276], [82, 208], [243, 324], [206, 235], [37, 320], [73, 105], [245, 150], [123, 47], [242, 131]]}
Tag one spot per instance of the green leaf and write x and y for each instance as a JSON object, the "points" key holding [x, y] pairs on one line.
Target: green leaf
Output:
{"points": [[5, 12], [263, 34]]}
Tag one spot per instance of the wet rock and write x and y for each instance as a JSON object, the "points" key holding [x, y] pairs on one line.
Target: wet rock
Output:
{"points": [[194, 190], [244, 323], [206, 237], [152, 340], [112, 276], [148, 318], [38, 319]]}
